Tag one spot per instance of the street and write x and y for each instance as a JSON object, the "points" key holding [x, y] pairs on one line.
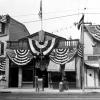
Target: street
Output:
{"points": [[48, 96]]}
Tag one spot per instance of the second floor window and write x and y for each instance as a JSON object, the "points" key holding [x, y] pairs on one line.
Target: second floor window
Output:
{"points": [[1, 48], [2, 27]]}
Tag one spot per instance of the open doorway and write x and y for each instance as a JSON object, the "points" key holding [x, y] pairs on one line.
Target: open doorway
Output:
{"points": [[71, 79], [13, 77], [42, 74]]}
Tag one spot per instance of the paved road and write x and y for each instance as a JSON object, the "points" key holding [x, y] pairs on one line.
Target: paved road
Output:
{"points": [[43, 96]]}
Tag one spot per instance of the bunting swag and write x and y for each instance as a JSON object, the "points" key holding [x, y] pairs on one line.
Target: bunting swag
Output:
{"points": [[45, 48], [20, 57], [80, 50], [2, 64], [62, 56], [94, 30]]}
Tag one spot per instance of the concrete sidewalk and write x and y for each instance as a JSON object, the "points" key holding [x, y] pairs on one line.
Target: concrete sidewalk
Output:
{"points": [[48, 90]]}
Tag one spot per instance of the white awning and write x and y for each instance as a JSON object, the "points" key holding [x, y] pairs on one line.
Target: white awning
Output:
{"points": [[94, 64], [53, 67], [70, 66]]}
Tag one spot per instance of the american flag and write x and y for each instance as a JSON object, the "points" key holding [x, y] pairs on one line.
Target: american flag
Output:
{"points": [[2, 64], [80, 22], [40, 12]]}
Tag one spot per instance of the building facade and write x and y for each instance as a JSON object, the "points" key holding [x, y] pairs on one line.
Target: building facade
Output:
{"points": [[91, 56], [47, 57]]}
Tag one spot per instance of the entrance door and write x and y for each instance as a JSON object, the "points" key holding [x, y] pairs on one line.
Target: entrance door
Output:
{"points": [[13, 77], [90, 78], [27, 77], [71, 79], [44, 75]]}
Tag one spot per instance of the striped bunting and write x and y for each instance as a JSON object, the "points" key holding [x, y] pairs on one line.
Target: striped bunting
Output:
{"points": [[45, 48], [94, 31], [2, 64], [62, 56], [80, 50], [20, 57]]}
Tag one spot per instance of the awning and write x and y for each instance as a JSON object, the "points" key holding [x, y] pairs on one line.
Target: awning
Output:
{"points": [[70, 66], [94, 64], [53, 67]]}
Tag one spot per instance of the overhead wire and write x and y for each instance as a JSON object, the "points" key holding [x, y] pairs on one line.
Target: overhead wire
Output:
{"points": [[53, 18]]}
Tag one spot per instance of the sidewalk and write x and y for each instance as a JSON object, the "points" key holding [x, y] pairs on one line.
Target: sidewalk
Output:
{"points": [[47, 90]]}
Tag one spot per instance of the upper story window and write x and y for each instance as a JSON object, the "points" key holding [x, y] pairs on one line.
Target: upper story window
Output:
{"points": [[2, 28], [93, 58], [1, 48]]}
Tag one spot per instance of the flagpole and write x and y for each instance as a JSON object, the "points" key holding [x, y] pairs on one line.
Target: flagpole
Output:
{"points": [[41, 17], [41, 38]]}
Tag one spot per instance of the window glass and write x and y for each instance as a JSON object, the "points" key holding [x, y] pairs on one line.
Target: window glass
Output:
{"points": [[1, 48]]}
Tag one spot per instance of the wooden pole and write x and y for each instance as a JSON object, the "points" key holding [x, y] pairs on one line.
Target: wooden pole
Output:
{"points": [[82, 33], [41, 33]]}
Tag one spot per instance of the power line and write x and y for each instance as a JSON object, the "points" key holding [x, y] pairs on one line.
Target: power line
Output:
{"points": [[25, 15], [53, 18], [45, 13]]}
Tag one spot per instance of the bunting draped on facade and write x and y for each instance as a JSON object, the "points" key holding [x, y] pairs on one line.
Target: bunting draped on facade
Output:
{"points": [[2, 64], [44, 48], [62, 56], [20, 57], [94, 31], [80, 50]]}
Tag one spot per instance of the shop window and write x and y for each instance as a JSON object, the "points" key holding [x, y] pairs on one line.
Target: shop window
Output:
{"points": [[93, 58], [1, 48], [27, 75]]}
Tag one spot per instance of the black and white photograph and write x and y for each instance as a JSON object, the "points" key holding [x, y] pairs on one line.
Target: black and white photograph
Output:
{"points": [[49, 49]]}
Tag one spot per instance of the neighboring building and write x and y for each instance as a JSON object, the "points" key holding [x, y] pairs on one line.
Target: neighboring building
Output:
{"points": [[92, 56], [10, 30], [46, 56]]}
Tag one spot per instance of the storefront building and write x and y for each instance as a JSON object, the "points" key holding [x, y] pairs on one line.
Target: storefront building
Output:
{"points": [[92, 56], [42, 54]]}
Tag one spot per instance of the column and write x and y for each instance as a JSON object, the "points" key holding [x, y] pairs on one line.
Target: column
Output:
{"points": [[7, 72], [49, 79], [78, 72], [20, 77]]}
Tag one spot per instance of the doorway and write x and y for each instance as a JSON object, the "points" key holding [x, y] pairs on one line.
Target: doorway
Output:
{"points": [[90, 78], [13, 77], [42, 74], [71, 79]]}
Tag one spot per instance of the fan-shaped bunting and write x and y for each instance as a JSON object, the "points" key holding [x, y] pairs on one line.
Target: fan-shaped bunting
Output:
{"points": [[45, 48], [62, 56], [20, 57]]}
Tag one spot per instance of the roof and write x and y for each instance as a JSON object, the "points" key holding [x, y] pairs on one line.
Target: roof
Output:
{"points": [[47, 34], [17, 30]]}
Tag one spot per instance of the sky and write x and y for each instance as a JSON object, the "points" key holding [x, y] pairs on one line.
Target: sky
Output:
{"points": [[59, 16]]}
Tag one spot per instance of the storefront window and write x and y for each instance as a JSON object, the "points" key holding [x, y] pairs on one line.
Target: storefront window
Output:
{"points": [[27, 75]]}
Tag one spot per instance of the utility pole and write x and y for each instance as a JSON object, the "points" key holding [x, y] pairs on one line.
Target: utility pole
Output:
{"points": [[82, 25]]}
